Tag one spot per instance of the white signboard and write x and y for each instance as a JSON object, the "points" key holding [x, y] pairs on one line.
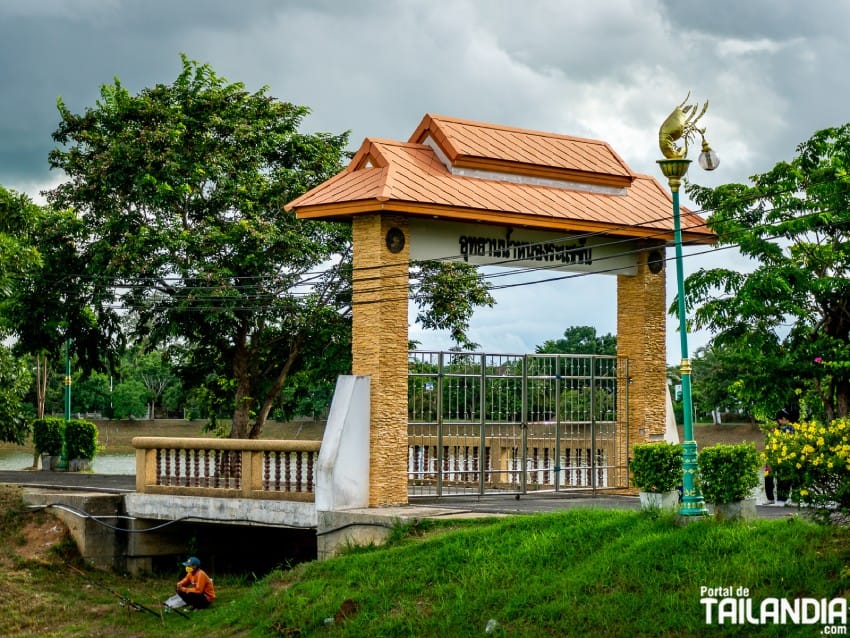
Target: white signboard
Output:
{"points": [[485, 245]]}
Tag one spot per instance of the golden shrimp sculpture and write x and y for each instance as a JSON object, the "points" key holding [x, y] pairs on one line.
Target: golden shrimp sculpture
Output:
{"points": [[681, 124]]}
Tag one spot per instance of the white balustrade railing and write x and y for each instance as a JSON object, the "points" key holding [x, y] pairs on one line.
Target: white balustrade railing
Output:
{"points": [[243, 468]]}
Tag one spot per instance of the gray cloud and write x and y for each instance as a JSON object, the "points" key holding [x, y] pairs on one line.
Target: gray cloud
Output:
{"points": [[611, 70]]}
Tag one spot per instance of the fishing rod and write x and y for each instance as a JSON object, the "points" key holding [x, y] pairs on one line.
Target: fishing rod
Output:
{"points": [[132, 604]]}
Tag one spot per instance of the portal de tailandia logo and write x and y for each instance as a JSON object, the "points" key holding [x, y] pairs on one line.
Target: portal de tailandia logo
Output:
{"points": [[734, 605]]}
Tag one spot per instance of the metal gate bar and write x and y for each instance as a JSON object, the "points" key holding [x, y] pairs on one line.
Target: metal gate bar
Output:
{"points": [[513, 424]]}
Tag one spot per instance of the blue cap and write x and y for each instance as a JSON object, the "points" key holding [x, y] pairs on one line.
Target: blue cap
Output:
{"points": [[192, 562]]}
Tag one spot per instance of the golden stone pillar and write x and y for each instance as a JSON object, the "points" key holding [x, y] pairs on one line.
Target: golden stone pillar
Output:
{"points": [[641, 337], [379, 346]]}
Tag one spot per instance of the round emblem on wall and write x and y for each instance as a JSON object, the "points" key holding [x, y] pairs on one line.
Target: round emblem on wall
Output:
{"points": [[395, 240], [655, 261]]}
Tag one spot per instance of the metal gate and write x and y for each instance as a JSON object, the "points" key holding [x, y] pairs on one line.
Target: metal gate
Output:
{"points": [[502, 423]]}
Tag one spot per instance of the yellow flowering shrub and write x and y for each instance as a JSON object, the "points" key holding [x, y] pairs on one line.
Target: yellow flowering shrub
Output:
{"points": [[815, 458]]}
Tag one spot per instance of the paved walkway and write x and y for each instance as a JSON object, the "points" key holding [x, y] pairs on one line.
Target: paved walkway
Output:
{"points": [[490, 504], [70, 480]]}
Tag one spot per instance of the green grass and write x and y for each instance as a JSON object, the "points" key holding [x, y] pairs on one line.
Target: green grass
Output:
{"points": [[576, 573]]}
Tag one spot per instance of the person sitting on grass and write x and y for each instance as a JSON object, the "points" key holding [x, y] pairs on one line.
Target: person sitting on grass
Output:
{"points": [[196, 588]]}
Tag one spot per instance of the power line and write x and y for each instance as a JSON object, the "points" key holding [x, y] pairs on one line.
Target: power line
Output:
{"points": [[270, 295], [145, 281], [411, 288]]}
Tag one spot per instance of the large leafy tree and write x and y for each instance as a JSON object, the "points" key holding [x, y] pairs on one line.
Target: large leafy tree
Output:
{"points": [[792, 312], [17, 256], [56, 303], [182, 188], [741, 375]]}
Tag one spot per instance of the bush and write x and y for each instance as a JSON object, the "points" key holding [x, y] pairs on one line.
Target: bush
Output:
{"points": [[657, 467], [80, 439], [47, 435], [728, 473], [815, 459]]}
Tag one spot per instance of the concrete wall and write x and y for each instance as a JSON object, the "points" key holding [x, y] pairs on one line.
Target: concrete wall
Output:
{"points": [[225, 510], [342, 477], [234, 537], [98, 544]]}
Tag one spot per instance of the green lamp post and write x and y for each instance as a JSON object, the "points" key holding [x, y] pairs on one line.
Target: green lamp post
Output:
{"points": [[681, 124]]}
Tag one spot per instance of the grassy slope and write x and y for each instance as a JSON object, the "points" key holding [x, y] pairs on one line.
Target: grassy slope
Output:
{"points": [[576, 573], [582, 572]]}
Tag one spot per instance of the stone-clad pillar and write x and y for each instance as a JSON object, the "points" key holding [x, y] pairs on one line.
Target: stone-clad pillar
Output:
{"points": [[641, 336], [379, 346]]}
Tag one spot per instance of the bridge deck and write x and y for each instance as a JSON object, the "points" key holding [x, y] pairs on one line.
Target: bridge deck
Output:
{"points": [[428, 506]]}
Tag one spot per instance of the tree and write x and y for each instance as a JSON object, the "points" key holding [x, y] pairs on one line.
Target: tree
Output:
{"points": [[181, 189], [17, 230], [580, 340], [55, 302], [742, 374], [153, 370], [130, 400], [448, 294], [17, 257], [15, 380], [578, 394], [793, 222], [90, 393]]}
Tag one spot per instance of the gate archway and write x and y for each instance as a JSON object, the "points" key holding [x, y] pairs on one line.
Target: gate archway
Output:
{"points": [[490, 194]]}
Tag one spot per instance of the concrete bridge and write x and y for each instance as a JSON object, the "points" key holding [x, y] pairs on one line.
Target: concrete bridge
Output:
{"points": [[97, 507], [254, 504], [247, 502], [241, 500]]}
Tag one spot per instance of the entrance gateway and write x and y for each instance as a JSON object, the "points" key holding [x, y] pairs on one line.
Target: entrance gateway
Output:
{"points": [[489, 194]]}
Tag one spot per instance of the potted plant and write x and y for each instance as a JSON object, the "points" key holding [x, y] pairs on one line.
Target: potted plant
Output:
{"points": [[727, 476], [657, 472], [81, 444], [47, 440]]}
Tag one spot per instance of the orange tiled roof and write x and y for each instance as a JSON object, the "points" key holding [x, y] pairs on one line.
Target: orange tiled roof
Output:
{"points": [[470, 171], [488, 146]]}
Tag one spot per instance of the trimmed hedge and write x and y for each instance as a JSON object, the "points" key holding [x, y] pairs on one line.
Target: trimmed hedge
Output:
{"points": [[657, 467], [47, 435], [80, 439], [728, 473]]}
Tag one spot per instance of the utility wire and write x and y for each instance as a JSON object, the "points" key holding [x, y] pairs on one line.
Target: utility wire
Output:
{"points": [[569, 237], [410, 290], [409, 287], [143, 283], [193, 519]]}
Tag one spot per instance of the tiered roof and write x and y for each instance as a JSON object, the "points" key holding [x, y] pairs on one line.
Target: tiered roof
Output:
{"points": [[460, 170]]}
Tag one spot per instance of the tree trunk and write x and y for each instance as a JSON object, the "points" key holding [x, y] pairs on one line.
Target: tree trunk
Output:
{"points": [[826, 397], [40, 384], [842, 399], [40, 395], [262, 415], [242, 407]]}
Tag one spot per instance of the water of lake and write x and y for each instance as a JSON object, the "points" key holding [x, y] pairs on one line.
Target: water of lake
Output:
{"points": [[102, 464]]}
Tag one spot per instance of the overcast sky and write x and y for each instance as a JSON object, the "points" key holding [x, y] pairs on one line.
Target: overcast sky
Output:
{"points": [[774, 71]]}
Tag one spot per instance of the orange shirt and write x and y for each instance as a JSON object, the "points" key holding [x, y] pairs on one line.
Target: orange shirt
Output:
{"points": [[199, 583]]}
